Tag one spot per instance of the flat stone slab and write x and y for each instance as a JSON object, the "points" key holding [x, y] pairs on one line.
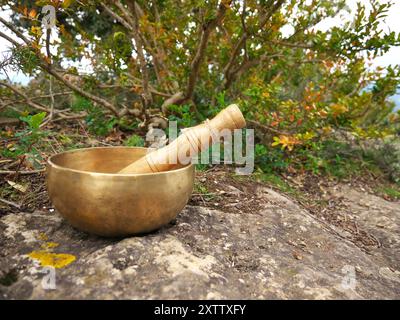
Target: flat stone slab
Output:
{"points": [[279, 251]]}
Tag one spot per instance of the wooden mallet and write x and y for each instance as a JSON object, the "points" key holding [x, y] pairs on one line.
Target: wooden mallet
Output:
{"points": [[193, 140]]}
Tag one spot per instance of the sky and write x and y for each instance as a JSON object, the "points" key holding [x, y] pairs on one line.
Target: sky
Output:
{"points": [[392, 23]]}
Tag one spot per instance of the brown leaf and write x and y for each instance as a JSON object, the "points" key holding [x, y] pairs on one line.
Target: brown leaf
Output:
{"points": [[297, 255], [32, 14], [19, 187]]}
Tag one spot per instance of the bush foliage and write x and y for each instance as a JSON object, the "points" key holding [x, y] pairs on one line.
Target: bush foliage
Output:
{"points": [[298, 85]]}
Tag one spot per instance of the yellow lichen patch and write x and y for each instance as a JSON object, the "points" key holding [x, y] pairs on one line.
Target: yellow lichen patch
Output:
{"points": [[43, 236], [49, 245], [56, 260]]}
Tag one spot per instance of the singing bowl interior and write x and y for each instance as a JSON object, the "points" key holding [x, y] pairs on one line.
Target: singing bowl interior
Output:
{"points": [[85, 190]]}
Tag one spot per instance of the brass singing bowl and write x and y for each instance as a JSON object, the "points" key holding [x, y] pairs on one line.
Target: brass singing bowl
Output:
{"points": [[86, 191]]}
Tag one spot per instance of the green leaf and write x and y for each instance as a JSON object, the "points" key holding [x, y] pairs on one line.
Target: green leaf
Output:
{"points": [[42, 3], [34, 121], [67, 3], [37, 120], [134, 141]]}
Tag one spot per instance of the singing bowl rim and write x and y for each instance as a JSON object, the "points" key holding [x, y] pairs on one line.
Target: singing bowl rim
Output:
{"points": [[50, 162]]}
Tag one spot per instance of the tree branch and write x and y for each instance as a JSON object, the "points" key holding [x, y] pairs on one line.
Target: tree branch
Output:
{"points": [[16, 31], [4, 36], [172, 100], [13, 102], [207, 28], [266, 128], [151, 45], [129, 23], [152, 90], [132, 24], [245, 66], [79, 90], [44, 65], [292, 45], [228, 76], [24, 96], [116, 16]]}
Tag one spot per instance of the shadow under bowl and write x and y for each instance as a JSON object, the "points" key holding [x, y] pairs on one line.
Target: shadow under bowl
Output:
{"points": [[86, 191]]}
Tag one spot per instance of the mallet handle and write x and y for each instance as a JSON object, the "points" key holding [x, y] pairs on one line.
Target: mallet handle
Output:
{"points": [[192, 141]]}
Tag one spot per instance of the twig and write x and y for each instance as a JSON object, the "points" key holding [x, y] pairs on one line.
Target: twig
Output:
{"points": [[79, 90], [132, 24], [229, 74], [292, 45], [22, 172], [44, 65], [245, 66], [204, 194], [51, 115], [152, 90], [10, 203], [23, 95], [4, 105], [150, 43], [266, 128], [147, 97], [48, 36], [116, 16]]}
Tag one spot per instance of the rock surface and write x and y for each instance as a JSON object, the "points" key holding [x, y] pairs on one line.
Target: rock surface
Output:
{"points": [[279, 251]]}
